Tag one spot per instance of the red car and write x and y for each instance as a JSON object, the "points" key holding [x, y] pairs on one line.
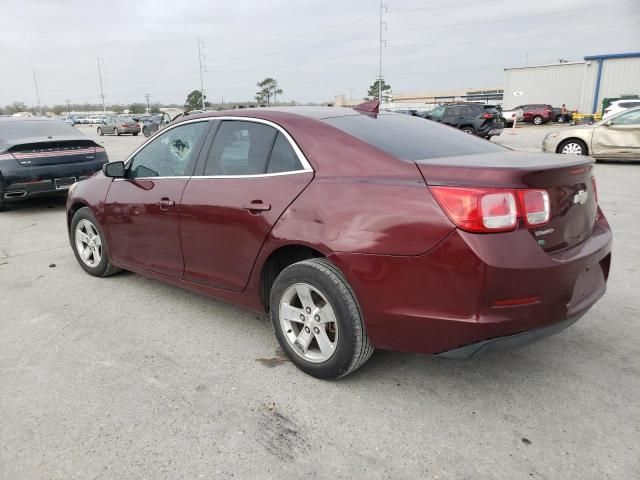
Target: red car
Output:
{"points": [[537, 113], [353, 230]]}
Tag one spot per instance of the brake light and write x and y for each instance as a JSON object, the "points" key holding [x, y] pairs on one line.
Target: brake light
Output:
{"points": [[485, 210], [487, 115], [124, 125]]}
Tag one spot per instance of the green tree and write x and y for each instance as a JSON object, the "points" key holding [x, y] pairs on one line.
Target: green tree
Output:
{"points": [[269, 90], [137, 108], [16, 107], [374, 91], [194, 101]]}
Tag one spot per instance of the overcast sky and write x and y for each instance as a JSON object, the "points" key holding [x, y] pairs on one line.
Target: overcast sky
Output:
{"points": [[315, 49]]}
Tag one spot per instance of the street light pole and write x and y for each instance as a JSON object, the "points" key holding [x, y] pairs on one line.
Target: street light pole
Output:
{"points": [[383, 26], [104, 106], [68, 106], [35, 81], [203, 67]]}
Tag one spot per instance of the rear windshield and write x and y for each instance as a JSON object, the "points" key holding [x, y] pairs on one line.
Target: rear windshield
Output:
{"points": [[411, 138], [11, 131]]}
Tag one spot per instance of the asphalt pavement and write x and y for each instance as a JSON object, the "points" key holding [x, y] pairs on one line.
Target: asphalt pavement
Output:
{"points": [[129, 378]]}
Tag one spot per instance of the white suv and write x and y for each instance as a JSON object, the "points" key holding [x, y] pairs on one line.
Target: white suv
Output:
{"points": [[620, 105]]}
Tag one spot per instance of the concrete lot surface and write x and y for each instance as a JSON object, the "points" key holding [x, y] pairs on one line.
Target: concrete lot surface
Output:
{"points": [[128, 378]]}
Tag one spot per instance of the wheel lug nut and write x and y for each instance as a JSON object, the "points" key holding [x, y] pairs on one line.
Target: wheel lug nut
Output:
{"points": [[302, 317], [316, 330], [317, 318], [306, 329], [308, 310]]}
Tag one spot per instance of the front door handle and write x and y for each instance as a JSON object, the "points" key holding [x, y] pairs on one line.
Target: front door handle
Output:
{"points": [[257, 206], [165, 203]]}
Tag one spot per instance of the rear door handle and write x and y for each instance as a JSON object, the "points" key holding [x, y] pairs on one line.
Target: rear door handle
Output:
{"points": [[165, 203], [257, 206]]}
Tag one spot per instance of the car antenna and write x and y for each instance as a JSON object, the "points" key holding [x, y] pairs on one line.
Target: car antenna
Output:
{"points": [[369, 107]]}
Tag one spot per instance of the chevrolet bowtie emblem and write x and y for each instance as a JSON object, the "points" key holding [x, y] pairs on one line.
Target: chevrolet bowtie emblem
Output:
{"points": [[581, 197]]}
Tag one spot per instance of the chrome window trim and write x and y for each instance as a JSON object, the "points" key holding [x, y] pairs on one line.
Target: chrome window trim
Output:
{"points": [[306, 166]]}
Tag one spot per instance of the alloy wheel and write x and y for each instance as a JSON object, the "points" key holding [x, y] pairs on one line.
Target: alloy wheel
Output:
{"points": [[308, 322], [88, 243]]}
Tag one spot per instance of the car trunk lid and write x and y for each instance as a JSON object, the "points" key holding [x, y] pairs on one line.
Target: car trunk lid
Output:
{"points": [[569, 182], [38, 152]]}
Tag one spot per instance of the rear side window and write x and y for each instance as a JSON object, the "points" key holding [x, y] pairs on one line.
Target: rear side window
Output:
{"points": [[240, 148], [283, 158], [411, 138], [14, 130]]}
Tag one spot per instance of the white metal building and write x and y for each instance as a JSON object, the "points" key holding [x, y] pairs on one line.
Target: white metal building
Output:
{"points": [[580, 85]]}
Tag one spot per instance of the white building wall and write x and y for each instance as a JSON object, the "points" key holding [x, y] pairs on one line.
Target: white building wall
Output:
{"points": [[620, 76], [549, 84]]}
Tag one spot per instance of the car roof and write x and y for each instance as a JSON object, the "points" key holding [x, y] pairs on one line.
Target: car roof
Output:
{"points": [[272, 113]]}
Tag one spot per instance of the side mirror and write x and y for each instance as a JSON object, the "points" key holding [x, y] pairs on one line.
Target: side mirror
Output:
{"points": [[113, 169]]}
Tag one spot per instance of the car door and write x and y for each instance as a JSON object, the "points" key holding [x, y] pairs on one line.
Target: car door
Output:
{"points": [[250, 175], [453, 116], [618, 136], [142, 210]]}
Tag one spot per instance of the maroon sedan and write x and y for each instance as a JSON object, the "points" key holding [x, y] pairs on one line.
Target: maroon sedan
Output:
{"points": [[354, 230]]}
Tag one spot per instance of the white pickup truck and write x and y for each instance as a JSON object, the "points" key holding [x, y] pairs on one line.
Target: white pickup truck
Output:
{"points": [[509, 115]]}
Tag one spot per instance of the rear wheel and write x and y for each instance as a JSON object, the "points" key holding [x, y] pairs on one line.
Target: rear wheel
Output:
{"points": [[100, 131], [89, 244], [573, 146], [317, 319], [146, 132], [3, 203], [469, 130], [560, 119], [538, 120], [116, 132], [135, 134]]}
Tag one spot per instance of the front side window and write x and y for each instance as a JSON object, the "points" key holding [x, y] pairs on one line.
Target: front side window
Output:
{"points": [[437, 112], [170, 154], [240, 148]]}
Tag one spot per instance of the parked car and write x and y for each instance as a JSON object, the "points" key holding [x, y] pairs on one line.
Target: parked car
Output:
{"points": [[481, 120], [614, 138], [514, 114], [117, 125], [619, 106], [40, 157], [185, 114], [353, 230], [560, 117], [537, 114], [153, 123]]}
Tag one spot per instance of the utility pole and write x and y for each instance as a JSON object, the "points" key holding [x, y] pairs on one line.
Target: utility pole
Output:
{"points": [[68, 106], [203, 68], [383, 43], [35, 81], [147, 96], [104, 106]]}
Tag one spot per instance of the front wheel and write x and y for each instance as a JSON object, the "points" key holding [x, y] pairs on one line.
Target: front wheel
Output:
{"points": [[538, 120], [100, 131], [317, 319], [116, 132], [146, 132], [135, 134], [89, 244], [573, 147]]}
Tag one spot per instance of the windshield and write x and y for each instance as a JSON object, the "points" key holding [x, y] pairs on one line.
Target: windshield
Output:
{"points": [[411, 138]]}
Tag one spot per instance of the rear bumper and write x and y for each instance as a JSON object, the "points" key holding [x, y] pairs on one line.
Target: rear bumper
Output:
{"points": [[452, 297], [20, 183]]}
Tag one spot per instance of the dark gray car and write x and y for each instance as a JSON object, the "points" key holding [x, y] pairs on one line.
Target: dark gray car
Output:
{"points": [[119, 124]]}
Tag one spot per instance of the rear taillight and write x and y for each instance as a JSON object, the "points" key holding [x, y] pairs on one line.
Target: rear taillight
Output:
{"points": [[486, 210], [124, 125], [535, 206], [595, 188], [487, 115]]}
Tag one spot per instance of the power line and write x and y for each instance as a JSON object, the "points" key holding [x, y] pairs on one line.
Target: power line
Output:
{"points": [[493, 20], [517, 37]]}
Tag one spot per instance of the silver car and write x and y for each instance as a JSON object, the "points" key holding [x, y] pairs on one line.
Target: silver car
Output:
{"points": [[615, 138], [118, 125]]}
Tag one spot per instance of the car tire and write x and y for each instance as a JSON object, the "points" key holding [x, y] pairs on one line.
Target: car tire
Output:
{"points": [[3, 202], [312, 304], [560, 119], [572, 146], [116, 132], [100, 131], [94, 258], [146, 132], [538, 120], [135, 134], [469, 130]]}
